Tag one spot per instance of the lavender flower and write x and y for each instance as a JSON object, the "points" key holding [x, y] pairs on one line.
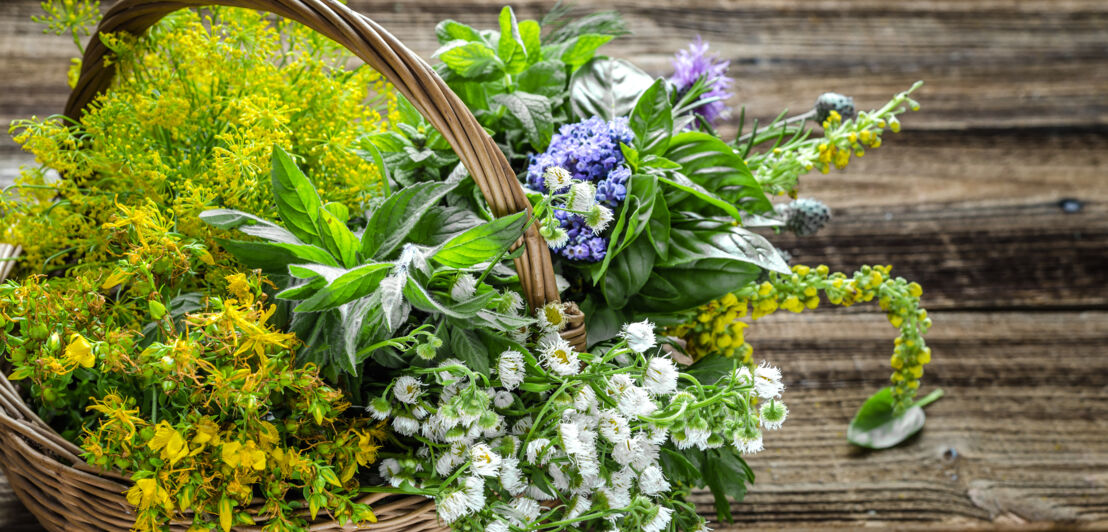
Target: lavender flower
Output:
{"points": [[695, 63], [589, 150]]}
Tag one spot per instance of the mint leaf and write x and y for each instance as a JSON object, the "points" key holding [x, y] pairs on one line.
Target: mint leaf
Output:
{"points": [[533, 114], [470, 59], [482, 243], [298, 203]]}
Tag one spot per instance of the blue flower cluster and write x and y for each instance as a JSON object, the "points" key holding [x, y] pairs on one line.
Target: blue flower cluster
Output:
{"points": [[589, 150]]}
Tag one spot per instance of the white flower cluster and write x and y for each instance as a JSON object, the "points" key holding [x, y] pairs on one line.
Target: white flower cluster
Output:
{"points": [[586, 430], [573, 196]]}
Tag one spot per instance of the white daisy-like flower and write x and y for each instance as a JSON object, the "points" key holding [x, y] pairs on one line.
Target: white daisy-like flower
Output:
{"points": [[484, 461], [511, 368], [558, 477], [585, 400], [559, 357], [581, 504], [556, 178], [613, 426], [465, 287], [407, 389], [702, 527], [379, 408], [658, 435], [452, 506], [698, 437], [405, 425], [639, 335], [498, 525], [475, 493], [503, 399], [510, 302], [522, 426], [748, 440], [389, 469], [556, 237], [552, 316], [571, 438], [661, 376], [510, 476], [538, 451], [598, 218], [582, 196], [525, 509], [773, 414], [636, 402], [660, 521], [625, 451], [652, 481], [767, 381]]}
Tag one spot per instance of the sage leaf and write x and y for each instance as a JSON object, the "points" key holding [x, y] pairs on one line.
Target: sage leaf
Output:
{"points": [[275, 257], [354, 284], [393, 220], [249, 224], [606, 88]]}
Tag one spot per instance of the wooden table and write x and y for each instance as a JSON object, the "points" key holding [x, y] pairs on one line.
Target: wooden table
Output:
{"points": [[968, 201]]}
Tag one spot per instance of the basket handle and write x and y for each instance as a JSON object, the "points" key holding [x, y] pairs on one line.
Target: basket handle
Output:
{"points": [[411, 76]]}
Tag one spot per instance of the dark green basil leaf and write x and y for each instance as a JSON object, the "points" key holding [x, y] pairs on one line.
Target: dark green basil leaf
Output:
{"points": [[658, 227], [482, 243], [712, 164], [628, 272], [607, 88], [729, 243], [684, 184], [652, 120], [298, 203], [712, 368], [676, 288]]}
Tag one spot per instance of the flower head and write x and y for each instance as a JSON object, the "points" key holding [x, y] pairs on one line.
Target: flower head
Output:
{"points": [[484, 461], [661, 376], [559, 357], [511, 369], [598, 218], [407, 389], [773, 414], [639, 336], [694, 63], [767, 381]]}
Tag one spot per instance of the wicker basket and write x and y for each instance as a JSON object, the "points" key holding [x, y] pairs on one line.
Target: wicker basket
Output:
{"points": [[46, 471]]}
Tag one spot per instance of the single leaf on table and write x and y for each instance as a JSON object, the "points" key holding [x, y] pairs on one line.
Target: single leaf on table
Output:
{"points": [[393, 220], [481, 243], [877, 425], [352, 285], [652, 120], [712, 164], [470, 59], [533, 113], [606, 88], [298, 203]]}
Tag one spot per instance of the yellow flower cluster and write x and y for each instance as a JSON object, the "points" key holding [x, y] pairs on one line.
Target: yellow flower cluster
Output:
{"points": [[190, 123], [716, 329]]}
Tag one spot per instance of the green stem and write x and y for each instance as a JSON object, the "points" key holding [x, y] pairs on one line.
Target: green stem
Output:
{"points": [[930, 398]]}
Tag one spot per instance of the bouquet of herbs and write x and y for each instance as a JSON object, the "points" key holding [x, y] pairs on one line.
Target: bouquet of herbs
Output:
{"points": [[274, 281]]}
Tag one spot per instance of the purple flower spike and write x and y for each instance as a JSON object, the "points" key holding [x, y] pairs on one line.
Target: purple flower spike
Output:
{"points": [[694, 63]]}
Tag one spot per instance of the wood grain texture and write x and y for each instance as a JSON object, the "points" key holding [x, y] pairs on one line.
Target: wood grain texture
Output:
{"points": [[966, 201]]}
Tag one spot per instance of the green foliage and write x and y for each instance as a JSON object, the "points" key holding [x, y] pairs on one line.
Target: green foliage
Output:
{"points": [[878, 425]]}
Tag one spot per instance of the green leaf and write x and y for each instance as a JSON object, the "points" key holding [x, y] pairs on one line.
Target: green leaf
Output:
{"points": [[533, 113], [547, 78], [629, 271], [391, 222], [440, 225], [530, 32], [729, 243], [712, 368], [511, 49], [470, 59], [644, 189], [467, 346], [275, 257], [298, 203], [602, 321], [683, 184], [607, 88], [712, 164], [482, 243], [338, 239], [689, 285], [652, 120], [582, 48], [726, 475], [450, 30], [658, 227], [354, 284], [249, 224], [421, 299], [876, 425]]}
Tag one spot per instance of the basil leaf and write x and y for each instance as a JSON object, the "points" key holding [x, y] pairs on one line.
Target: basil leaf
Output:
{"points": [[652, 120], [394, 219], [354, 284], [712, 164], [629, 271], [482, 243], [691, 284], [658, 228], [607, 88], [298, 203], [547, 78], [729, 243], [275, 257], [470, 59], [533, 114], [683, 184]]}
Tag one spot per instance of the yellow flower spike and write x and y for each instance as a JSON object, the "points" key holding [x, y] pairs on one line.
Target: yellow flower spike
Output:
{"points": [[924, 356], [765, 289], [79, 351], [896, 362], [812, 303]]}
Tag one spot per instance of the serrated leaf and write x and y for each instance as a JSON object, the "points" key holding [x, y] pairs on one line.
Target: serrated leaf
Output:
{"points": [[470, 59], [652, 120], [546, 78], [451, 30], [607, 88], [510, 48], [582, 48], [338, 239], [394, 219], [482, 243], [249, 224], [468, 347], [354, 284], [530, 32], [393, 306], [533, 113], [298, 203], [712, 164]]}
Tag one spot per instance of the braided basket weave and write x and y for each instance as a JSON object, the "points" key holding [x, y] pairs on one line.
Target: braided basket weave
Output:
{"points": [[46, 471]]}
